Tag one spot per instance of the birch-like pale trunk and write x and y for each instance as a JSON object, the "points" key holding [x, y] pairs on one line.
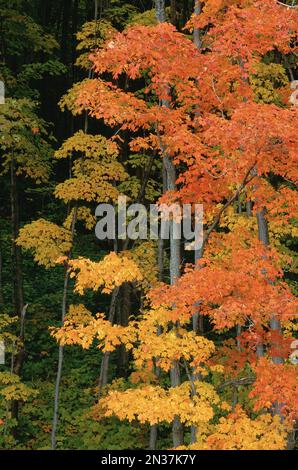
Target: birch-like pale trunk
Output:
{"points": [[170, 171], [160, 264], [197, 319], [160, 11], [105, 362], [196, 32], [263, 234], [177, 428], [61, 348]]}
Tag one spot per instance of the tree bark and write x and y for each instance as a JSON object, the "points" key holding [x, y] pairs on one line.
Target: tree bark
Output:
{"points": [[196, 32], [263, 231], [104, 368], [123, 320], [18, 295], [160, 262], [61, 348], [67, 8], [160, 11], [1, 280], [170, 184], [173, 12]]}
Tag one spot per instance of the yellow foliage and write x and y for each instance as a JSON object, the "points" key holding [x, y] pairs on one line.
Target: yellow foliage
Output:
{"points": [[92, 35], [107, 274], [153, 404], [94, 173], [277, 228], [47, 241], [11, 388], [81, 328], [86, 188], [145, 257], [91, 146], [82, 213], [289, 326], [10, 340], [6, 320], [238, 432], [169, 346], [267, 80], [78, 314]]}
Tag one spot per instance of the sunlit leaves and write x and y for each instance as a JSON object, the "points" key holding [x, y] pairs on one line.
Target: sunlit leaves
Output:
{"points": [[107, 274], [46, 240], [164, 404], [239, 432]]}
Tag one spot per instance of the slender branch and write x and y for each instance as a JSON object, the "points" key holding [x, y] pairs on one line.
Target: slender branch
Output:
{"points": [[190, 378], [237, 383], [285, 5]]}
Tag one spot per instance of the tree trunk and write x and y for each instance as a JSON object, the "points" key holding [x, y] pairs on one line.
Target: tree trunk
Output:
{"points": [[124, 319], [61, 348], [196, 32], [170, 173], [74, 29], [160, 262], [198, 328], [18, 296], [177, 428], [197, 318], [263, 232], [104, 368], [160, 11], [173, 12], [67, 8], [1, 280]]}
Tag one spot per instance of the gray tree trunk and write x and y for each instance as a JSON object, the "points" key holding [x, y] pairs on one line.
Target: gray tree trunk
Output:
{"points": [[61, 348], [263, 232], [104, 368], [196, 32], [170, 173], [160, 11], [160, 261]]}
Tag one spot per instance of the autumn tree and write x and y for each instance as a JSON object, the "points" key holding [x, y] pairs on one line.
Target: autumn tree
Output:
{"points": [[231, 140]]}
